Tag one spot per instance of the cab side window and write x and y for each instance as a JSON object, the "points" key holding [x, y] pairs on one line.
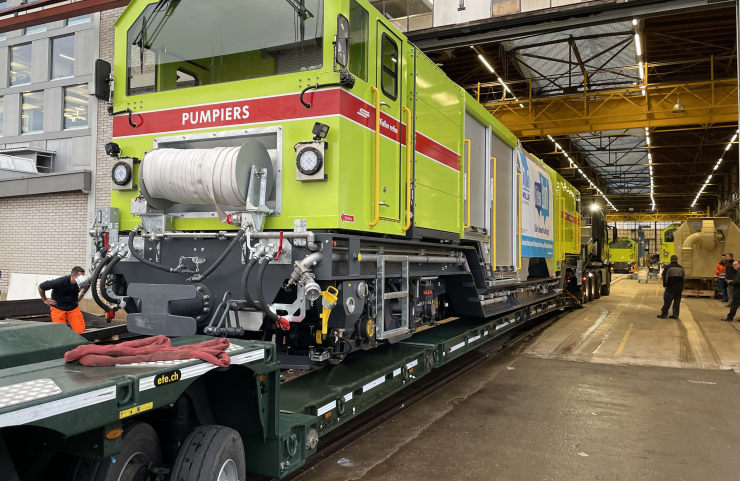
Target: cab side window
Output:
{"points": [[359, 26], [389, 68]]}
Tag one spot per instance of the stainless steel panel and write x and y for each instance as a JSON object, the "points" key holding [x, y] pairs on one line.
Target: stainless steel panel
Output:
{"points": [[477, 134], [506, 192]]}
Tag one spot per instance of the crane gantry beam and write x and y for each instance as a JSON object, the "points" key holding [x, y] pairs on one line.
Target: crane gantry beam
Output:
{"points": [[705, 102]]}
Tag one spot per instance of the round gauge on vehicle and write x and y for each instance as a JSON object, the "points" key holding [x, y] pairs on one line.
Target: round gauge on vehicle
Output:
{"points": [[121, 173], [309, 161]]}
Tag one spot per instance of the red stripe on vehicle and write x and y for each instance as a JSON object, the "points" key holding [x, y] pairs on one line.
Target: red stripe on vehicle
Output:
{"points": [[274, 109]]}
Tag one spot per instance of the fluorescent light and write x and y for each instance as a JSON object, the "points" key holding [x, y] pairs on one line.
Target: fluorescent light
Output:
{"points": [[638, 47], [485, 63], [520, 105], [647, 139], [634, 22], [728, 147], [733, 137], [70, 58], [642, 73], [503, 84]]}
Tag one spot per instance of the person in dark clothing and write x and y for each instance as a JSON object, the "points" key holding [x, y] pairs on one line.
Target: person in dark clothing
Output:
{"points": [[673, 276], [734, 282], [730, 271], [65, 294]]}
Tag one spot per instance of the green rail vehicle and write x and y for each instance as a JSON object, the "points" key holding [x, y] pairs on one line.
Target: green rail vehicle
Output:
{"points": [[667, 248], [623, 254], [296, 176]]}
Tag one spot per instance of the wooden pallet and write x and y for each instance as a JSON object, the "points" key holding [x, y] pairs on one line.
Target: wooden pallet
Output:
{"points": [[698, 293]]}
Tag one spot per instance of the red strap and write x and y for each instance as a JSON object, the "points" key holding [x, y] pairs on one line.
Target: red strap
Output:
{"points": [[280, 248]]}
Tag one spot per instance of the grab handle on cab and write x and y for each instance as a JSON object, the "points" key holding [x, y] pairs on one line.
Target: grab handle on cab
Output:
{"points": [[519, 221], [376, 207], [409, 150]]}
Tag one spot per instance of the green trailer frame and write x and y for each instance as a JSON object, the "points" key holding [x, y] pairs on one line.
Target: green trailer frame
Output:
{"points": [[49, 407]]}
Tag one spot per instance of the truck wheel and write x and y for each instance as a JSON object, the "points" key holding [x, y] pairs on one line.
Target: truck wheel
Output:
{"points": [[597, 286], [140, 450], [606, 287], [590, 289], [210, 453], [584, 291]]}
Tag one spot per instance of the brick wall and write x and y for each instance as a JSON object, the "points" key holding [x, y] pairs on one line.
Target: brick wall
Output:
{"points": [[42, 234], [105, 122]]}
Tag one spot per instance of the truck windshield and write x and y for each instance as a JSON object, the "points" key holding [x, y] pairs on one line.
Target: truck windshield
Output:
{"points": [[621, 244], [178, 44]]}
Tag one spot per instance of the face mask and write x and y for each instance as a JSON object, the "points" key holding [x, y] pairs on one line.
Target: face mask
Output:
{"points": [[83, 280]]}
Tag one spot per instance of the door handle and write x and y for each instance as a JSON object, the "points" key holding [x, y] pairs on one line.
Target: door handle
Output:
{"points": [[383, 204], [383, 104]]}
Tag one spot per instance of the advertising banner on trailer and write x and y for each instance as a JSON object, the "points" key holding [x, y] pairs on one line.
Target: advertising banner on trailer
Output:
{"points": [[537, 224]]}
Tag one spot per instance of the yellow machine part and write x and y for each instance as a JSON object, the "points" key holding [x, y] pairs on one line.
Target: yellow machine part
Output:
{"points": [[328, 301], [700, 243]]}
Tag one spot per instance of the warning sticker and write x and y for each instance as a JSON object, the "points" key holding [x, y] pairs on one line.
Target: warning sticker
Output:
{"points": [[135, 410]]}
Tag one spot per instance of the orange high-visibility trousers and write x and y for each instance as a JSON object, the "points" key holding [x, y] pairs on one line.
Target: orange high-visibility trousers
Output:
{"points": [[76, 321]]}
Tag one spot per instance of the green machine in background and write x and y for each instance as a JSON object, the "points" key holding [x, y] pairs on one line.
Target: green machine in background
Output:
{"points": [[624, 255]]}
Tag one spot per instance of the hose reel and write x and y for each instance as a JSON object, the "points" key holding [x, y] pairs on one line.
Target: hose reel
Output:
{"points": [[237, 177]]}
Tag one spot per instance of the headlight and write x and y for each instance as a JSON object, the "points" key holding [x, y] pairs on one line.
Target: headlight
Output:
{"points": [[121, 173], [309, 161]]}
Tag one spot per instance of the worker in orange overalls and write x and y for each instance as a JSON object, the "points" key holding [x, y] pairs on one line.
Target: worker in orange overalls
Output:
{"points": [[719, 274], [65, 295]]}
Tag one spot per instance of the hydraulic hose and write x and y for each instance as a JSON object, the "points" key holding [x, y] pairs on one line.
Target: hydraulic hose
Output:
{"points": [[114, 260], [141, 259], [214, 266], [94, 283], [280, 321], [245, 289]]}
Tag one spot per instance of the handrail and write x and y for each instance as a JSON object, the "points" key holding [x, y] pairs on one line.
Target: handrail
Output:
{"points": [[493, 221], [467, 188], [409, 150], [562, 227], [519, 219], [377, 157]]}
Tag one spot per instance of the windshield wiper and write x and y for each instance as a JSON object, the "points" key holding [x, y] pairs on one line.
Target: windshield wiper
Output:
{"points": [[140, 39]]}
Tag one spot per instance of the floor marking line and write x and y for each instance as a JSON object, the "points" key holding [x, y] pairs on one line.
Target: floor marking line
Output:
{"points": [[588, 332], [606, 336], [624, 340]]}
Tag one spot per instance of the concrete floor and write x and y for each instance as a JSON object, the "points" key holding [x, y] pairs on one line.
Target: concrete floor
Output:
{"points": [[608, 392]]}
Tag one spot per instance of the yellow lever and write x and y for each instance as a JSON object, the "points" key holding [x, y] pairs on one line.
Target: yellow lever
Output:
{"points": [[376, 207], [328, 301], [467, 189], [409, 150]]}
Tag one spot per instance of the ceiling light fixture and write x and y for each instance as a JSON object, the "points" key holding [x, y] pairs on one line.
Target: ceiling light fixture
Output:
{"points": [[729, 145]]}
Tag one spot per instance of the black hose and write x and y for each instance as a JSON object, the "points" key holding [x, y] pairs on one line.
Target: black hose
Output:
{"points": [[131, 237], [115, 259], [261, 295], [346, 79], [214, 266], [245, 289], [94, 283]]}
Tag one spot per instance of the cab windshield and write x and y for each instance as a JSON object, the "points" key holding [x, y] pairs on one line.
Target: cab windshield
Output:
{"points": [[621, 244], [178, 44]]}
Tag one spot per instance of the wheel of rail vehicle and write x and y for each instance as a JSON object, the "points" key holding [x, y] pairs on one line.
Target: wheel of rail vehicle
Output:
{"points": [[606, 287], [590, 288], [210, 453], [597, 286], [140, 452], [584, 291]]}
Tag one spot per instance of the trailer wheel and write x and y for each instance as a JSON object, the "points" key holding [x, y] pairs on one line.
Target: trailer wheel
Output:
{"points": [[590, 289], [140, 451], [606, 287], [210, 453], [597, 286]]}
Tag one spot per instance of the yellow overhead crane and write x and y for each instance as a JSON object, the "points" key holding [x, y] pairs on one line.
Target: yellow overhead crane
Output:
{"points": [[655, 216]]}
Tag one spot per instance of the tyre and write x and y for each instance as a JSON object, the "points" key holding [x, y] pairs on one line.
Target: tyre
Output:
{"points": [[584, 291], [597, 286], [140, 451], [590, 289], [606, 287], [210, 453]]}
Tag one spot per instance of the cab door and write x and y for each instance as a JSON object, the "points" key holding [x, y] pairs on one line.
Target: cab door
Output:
{"points": [[389, 75]]}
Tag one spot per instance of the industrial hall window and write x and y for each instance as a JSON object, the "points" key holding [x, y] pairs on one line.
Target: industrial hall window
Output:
{"points": [[75, 107], [63, 57], [35, 28], [359, 25], [194, 43], [32, 112], [78, 20], [20, 64], [389, 66]]}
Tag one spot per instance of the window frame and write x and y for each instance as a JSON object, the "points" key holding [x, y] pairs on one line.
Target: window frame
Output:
{"points": [[383, 69], [51, 57], [64, 108], [365, 15], [43, 113], [10, 61]]}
